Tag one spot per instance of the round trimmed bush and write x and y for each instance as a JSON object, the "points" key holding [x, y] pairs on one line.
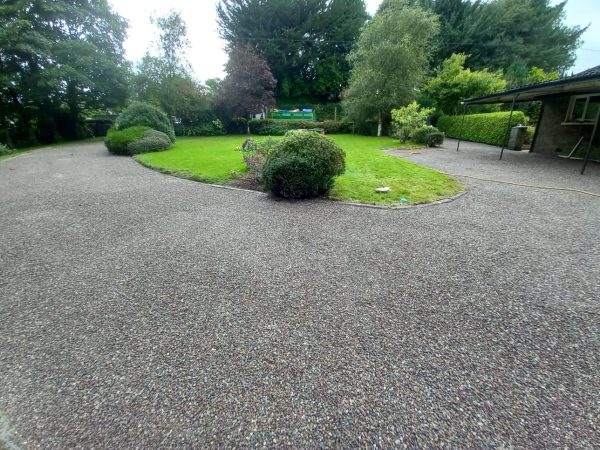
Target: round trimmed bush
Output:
{"points": [[116, 141], [151, 141], [131, 141], [303, 165], [144, 114]]}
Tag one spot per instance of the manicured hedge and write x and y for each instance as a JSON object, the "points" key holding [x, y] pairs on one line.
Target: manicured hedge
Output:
{"points": [[134, 140], [144, 114], [487, 128], [270, 127]]}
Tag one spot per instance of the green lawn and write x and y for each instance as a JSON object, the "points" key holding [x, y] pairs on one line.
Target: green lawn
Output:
{"points": [[217, 160]]}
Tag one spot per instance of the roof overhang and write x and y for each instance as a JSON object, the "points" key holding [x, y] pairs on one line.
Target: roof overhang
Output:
{"points": [[540, 91]]}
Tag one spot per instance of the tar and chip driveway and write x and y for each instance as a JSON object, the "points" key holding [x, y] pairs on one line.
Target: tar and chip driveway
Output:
{"points": [[142, 310]]}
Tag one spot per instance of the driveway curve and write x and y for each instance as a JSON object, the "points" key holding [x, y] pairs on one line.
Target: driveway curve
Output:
{"points": [[143, 310]]}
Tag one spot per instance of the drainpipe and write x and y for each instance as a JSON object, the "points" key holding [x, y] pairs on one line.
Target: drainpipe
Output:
{"points": [[512, 108]]}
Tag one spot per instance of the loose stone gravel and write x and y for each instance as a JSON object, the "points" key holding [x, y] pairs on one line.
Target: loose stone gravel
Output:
{"points": [[142, 310]]}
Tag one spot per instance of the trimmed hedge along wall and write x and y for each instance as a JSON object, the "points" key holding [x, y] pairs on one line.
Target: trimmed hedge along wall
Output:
{"points": [[485, 128], [270, 127]]}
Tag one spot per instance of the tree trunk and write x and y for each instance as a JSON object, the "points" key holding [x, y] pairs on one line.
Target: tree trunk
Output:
{"points": [[379, 126], [248, 124]]}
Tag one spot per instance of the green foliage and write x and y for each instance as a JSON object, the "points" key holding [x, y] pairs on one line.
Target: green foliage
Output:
{"points": [[213, 128], [5, 150], [511, 35], [389, 61], [305, 42], [406, 120], [303, 165], [57, 58], [270, 127], [255, 155], [139, 113], [117, 141], [134, 140], [151, 141], [428, 135], [487, 128], [453, 83]]}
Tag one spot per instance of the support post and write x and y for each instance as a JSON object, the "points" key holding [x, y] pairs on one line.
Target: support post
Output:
{"points": [[589, 149], [512, 108], [462, 124]]}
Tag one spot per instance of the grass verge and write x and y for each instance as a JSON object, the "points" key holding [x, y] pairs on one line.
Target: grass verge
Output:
{"points": [[217, 160]]}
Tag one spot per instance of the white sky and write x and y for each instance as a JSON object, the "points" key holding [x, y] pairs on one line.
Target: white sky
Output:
{"points": [[207, 57]]}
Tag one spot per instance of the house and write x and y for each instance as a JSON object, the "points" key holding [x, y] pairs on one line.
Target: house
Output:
{"points": [[568, 122]]}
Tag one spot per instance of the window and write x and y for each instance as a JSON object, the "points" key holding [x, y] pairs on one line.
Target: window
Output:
{"points": [[583, 108]]}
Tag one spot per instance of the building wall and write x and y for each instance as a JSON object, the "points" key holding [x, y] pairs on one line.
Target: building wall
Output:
{"points": [[552, 136]]}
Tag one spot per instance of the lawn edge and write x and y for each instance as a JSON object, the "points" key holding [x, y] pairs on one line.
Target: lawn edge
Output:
{"points": [[183, 176]]}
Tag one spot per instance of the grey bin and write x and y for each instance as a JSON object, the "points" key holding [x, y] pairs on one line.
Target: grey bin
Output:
{"points": [[517, 137]]}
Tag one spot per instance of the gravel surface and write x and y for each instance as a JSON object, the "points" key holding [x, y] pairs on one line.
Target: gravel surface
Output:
{"points": [[143, 310]]}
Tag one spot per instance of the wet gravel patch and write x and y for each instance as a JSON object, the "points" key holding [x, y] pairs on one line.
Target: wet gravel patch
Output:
{"points": [[143, 310]]}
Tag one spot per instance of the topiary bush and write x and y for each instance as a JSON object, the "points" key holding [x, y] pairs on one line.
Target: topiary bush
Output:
{"points": [[303, 165], [116, 141], [487, 128], [144, 114], [428, 135], [151, 141], [134, 140]]}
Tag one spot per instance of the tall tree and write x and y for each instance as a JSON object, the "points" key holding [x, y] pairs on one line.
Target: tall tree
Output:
{"points": [[57, 58], [390, 61], [513, 35], [249, 85], [452, 83], [305, 42]]}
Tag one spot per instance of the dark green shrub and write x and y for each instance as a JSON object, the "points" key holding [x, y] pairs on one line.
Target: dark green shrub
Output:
{"points": [[487, 128], [212, 128], [303, 165], [131, 141], [151, 141], [144, 114], [117, 141], [4, 150], [434, 139], [429, 136]]}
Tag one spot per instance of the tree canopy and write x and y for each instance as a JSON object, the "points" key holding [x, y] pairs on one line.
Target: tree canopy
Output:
{"points": [[390, 60], [513, 35], [305, 42], [452, 83], [56, 59], [249, 85]]}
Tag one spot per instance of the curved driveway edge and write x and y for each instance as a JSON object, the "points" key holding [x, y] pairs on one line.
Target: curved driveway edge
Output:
{"points": [[143, 310]]}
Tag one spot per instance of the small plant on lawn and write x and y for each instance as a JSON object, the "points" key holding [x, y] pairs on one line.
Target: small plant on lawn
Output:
{"points": [[303, 165], [408, 119], [134, 140], [255, 155], [144, 114]]}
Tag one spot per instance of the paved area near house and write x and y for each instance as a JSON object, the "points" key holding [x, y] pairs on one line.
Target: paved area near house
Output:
{"points": [[142, 310]]}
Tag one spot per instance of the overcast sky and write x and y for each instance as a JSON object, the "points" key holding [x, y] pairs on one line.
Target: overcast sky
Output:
{"points": [[207, 57]]}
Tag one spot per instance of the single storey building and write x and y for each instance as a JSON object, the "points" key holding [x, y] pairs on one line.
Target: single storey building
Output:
{"points": [[568, 122]]}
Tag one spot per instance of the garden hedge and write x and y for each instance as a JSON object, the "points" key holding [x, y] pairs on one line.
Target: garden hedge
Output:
{"points": [[270, 127], [134, 140], [487, 128]]}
